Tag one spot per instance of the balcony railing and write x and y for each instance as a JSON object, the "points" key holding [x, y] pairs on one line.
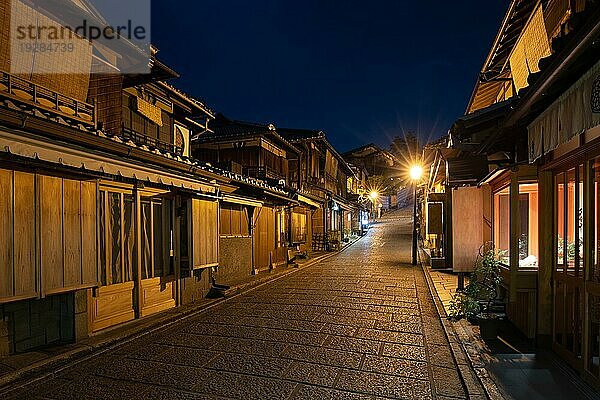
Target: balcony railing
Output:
{"points": [[152, 143], [46, 100], [263, 172]]}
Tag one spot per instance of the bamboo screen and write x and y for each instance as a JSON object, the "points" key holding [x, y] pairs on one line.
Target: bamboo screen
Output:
{"points": [[66, 72], [106, 93], [532, 46], [554, 14], [5, 35], [150, 111]]}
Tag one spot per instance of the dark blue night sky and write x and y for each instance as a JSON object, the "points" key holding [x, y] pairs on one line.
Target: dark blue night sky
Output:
{"points": [[362, 72]]}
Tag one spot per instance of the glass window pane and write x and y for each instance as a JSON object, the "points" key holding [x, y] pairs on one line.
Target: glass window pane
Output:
{"points": [[579, 220], [114, 204], [560, 221], [502, 224], [528, 239], [146, 216], [102, 233], [129, 236], [572, 211], [159, 240]]}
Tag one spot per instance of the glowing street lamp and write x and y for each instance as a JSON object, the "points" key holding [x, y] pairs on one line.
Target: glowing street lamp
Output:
{"points": [[373, 196], [416, 173]]}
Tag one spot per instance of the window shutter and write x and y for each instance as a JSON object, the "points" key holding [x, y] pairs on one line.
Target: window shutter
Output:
{"points": [[205, 233]]}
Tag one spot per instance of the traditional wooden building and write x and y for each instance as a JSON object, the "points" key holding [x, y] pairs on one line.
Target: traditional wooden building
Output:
{"points": [[323, 174], [104, 217], [538, 95], [271, 221], [375, 160]]}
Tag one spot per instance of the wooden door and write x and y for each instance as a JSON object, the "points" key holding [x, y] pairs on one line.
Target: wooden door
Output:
{"points": [[569, 276], [156, 253], [264, 237], [113, 302]]}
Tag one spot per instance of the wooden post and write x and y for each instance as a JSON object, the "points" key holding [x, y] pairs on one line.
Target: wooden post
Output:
{"points": [[515, 232], [176, 218], [546, 258], [589, 218], [138, 253]]}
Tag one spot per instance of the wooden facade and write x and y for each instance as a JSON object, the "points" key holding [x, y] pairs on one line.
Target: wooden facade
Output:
{"points": [[542, 150], [125, 197], [49, 234]]}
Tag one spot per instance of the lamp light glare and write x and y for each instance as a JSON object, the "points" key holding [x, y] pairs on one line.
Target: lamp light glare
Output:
{"points": [[416, 172]]}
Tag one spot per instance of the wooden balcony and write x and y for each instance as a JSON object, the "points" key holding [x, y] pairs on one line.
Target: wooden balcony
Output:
{"points": [[263, 172], [45, 100], [151, 142]]}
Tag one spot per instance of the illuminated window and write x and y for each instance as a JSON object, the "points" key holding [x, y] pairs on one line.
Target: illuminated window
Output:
{"points": [[528, 244], [528, 237], [502, 224], [569, 221]]}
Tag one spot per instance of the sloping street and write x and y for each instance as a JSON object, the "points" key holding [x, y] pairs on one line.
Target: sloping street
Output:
{"points": [[360, 325]]}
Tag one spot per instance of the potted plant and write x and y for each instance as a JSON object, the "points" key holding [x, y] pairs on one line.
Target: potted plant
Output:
{"points": [[476, 301]]}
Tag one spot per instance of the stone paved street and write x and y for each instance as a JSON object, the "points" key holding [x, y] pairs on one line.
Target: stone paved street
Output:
{"points": [[360, 325]]}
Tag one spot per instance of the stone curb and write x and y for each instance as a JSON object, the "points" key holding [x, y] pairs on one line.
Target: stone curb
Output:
{"points": [[471, 368], [82, 352]]}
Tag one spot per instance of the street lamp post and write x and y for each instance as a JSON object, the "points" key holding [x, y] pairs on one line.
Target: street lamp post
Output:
{"points": [[373, 196], [416, 172]]}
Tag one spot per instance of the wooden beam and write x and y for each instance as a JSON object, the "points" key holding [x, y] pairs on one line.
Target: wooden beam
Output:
{"points": [[546, 259]]}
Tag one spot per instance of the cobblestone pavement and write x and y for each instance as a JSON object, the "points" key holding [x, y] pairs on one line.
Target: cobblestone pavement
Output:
{"points": [[361, 325]]}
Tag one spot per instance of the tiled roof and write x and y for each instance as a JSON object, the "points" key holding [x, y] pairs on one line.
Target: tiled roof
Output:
{"points": [[224, 128], [296, 135], [190, 98], [235, 178]]}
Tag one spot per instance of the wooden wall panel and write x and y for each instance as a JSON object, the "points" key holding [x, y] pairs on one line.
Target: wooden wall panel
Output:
{"points": [[236, 225], [317, 221], [72, 232], [6, 234], [225, 218], [89, 241], [51, 232], [24, 234], [196, 233], [467, 227], [205, 233], [212, 226], [113, 305], [47, 230], [156, 296], [264, 237]]}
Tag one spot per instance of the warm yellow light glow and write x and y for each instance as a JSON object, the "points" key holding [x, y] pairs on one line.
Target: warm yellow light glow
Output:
{"points": [[416, 172], [373, 195]]}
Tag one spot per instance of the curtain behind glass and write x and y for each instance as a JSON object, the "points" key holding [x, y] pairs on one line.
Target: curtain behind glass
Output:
{"points": [[102, 218], [129, 237], [146, 239], [114, 205]]}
